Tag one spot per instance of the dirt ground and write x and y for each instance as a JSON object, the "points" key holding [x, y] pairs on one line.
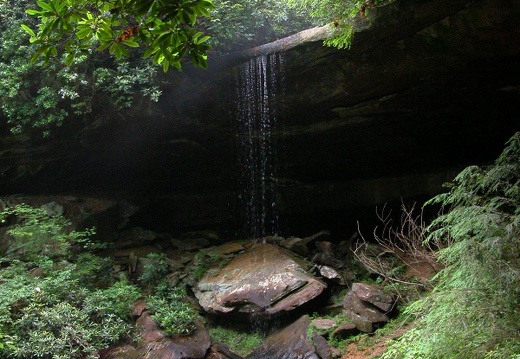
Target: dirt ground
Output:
{"points": [[423, 270], [360, 351]]}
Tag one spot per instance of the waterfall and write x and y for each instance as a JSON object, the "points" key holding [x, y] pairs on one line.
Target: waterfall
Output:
{"points": [[258, 84]]}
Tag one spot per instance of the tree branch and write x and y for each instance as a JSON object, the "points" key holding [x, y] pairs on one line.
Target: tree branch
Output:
{"points": [[305, 36]]}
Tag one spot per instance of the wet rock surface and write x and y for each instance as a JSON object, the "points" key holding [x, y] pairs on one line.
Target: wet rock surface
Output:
{"points": [[289, 343], [263, 279], [155, 345], [374, 295]]}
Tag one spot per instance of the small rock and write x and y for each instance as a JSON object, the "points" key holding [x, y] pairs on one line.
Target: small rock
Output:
{"points": [[373, 294], [36, 272], [345, 330], [323, 324], [190, 244], [276, 240], [296, 245], [139, 252], [134, 237], [139, 308], [335, 352], [150, 331], [331, 273], [364, 314], [364, 325], [322, 347], [193, 346], [323, 259], [320, 236], [325, 247]]}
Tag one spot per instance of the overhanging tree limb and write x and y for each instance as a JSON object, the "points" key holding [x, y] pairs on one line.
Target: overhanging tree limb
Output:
{"points": [[308, 35], [378, 28]]}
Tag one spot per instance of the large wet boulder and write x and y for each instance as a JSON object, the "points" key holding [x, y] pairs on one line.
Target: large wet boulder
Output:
{"points": [[263, 278]]}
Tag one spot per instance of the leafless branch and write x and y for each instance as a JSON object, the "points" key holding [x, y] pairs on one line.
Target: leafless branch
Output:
{"points": [[406, 242]]}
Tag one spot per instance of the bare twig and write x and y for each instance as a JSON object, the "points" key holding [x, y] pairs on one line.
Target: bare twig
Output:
{"points": [[406, 242]]}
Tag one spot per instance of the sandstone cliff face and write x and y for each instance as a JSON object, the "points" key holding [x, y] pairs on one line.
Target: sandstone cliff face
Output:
{"points": [[427, 88]]}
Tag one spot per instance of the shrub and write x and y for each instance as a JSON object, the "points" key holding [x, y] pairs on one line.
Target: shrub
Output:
{"points": [[473, 309], [40, 234], [239, 342], [171, 312], [53, 316], [405, 241], [94, 271], [155, 268], [50, 307]]}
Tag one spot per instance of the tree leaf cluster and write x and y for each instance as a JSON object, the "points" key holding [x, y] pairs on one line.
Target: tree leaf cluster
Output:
{"points": [[44, 96], [166, 29], [340, 13]]}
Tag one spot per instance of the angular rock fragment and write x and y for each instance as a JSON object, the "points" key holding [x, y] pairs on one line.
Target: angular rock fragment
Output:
{"points": [[373, 294], [372, 305]]}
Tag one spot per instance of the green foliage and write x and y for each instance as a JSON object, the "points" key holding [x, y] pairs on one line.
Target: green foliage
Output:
{"points": [[50, 307], [205, 260], [236, 24], [116, 300], [20, 100], [341, 12], [342, 38], [44, 95], [123, 83], [170, 310], [40, 234], [5, 343], [89, 266], [166, 29], [51, 315], [238, 341], [155, 269], [473, 309]]}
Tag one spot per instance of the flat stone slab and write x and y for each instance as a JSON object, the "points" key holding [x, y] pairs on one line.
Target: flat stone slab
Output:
{"points": [[264, 278]]}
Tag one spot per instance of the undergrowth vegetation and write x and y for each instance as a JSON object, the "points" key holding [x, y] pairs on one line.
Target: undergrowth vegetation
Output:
{"points": [[48, 311], [50, 305], [239, 341], [473, 310], [171, 310]]}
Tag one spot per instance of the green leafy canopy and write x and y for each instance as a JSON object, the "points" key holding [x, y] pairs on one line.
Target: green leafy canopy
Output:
{"points": [[165, 29]]}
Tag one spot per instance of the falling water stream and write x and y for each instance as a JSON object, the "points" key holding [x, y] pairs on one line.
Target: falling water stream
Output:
{"points": [[260, 88], [259, 82]]}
